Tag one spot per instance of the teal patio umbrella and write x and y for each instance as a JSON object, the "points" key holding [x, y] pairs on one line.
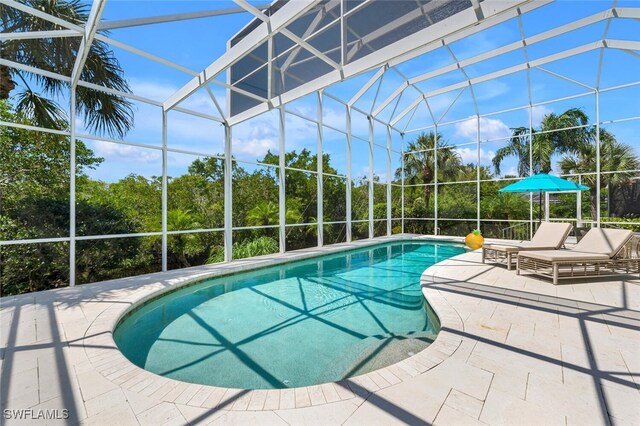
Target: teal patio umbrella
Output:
{"points": [[543, 182]]}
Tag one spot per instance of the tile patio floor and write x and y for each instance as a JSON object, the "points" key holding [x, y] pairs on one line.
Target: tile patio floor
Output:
{"points": [[512, 350]]}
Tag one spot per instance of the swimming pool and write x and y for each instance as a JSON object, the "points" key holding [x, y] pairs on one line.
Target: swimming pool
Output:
{"points": [[297, 324]]}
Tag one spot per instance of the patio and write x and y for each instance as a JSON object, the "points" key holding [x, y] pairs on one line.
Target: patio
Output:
{"points": [[158, 156], [512, 349]]}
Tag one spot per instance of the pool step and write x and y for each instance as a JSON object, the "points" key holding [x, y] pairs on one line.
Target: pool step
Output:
{"points": [[379, 352]]}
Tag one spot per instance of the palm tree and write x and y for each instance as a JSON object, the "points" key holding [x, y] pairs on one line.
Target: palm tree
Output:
{"points": [[614, 157], [266, 213], [419, 164], [102, 113], [546, 142], [263, 214], [182, 244]]}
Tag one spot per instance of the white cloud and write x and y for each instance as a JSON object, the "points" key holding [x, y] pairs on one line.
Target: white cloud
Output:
{"points": [[184, 130], [125, 153], [254, 138], [511, 171], [490, 90], [537, 114], [334, 118], [470, 155], [253, 147], [264, 129], [490, 128]]}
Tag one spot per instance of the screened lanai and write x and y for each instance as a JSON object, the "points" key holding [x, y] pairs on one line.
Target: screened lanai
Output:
{"points": [[249, 128]]}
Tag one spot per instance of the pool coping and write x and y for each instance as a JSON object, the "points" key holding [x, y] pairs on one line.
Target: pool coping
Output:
{"points": [[105, 357]]}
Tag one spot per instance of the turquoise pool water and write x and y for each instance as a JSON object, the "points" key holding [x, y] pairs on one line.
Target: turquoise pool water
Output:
{"points": [[298, 324]]}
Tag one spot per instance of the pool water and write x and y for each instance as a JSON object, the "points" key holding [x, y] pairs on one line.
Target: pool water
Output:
{"points": [[297, 324]]}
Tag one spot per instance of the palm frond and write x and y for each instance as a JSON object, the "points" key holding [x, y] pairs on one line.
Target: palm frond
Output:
{"points": [[40, 110], [103, 113]]}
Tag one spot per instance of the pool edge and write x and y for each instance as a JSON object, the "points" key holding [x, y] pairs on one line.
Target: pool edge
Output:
{"points": [[114, 366]]}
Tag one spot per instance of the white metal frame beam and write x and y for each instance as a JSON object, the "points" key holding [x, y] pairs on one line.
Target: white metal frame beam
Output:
{"points": [[506, 71], [385, 29], [367, 85], [313, 27], [287, 14], [81, 58], [595, 18], [307, 38], [85, 45], [466, 21], [42, 15], [284, 31], [82, 83], [29, 35], [175, 17]]}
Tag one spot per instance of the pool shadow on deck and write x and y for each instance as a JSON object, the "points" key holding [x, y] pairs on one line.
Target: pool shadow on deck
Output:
{"points": [[583, 312], [50, 346]]}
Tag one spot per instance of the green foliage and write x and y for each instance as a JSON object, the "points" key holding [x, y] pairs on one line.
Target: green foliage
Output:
{"points": [[614, 156], [34, 203], [420, 163], [248, 248], [546, 142], [578, 145]]}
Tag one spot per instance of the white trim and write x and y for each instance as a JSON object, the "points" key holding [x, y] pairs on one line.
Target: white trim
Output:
{"points": [[282, 200], [164, 202], [174, 17], [90, 29], [320, 176], [367, 85], [348, 167], [42, 15], [228, 194], [29, 35], [287, 14], [72, 187]]}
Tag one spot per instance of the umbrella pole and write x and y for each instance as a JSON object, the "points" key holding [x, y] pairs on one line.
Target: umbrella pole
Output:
{"points": [[540, 208]]}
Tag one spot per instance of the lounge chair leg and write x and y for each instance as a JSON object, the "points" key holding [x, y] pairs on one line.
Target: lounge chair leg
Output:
{"points": [[517, 265], [483, 255], [555, 274], [508, 261]]}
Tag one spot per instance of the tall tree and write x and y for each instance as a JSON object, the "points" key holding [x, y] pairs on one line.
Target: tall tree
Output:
{"points": [[614, 157], [546, 141], [102, 112], [419, 162]]}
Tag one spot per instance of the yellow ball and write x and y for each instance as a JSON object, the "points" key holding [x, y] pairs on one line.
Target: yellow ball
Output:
{"points": [[474, 241]]}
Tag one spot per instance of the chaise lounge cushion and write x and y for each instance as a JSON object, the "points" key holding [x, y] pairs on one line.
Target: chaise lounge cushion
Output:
{"points": [[550, 232], [516, 247], [549, 236], [603, 241], [572, 256]]}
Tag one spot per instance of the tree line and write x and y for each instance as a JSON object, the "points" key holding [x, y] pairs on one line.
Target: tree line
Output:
{"points": [[35, 178], [34, 203]]}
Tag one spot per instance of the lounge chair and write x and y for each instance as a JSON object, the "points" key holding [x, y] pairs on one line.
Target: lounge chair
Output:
{"points": [[601, 252], [549, 236]]}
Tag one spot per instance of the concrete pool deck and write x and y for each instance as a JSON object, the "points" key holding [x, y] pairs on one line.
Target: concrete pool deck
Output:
{"points": [[512, 349]]}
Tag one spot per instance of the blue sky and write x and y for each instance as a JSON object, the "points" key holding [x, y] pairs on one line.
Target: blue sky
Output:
{"points": [[196, 43]]}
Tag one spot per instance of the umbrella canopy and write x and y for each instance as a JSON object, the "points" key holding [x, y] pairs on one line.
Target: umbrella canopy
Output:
{"points": [[543, 182]]}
